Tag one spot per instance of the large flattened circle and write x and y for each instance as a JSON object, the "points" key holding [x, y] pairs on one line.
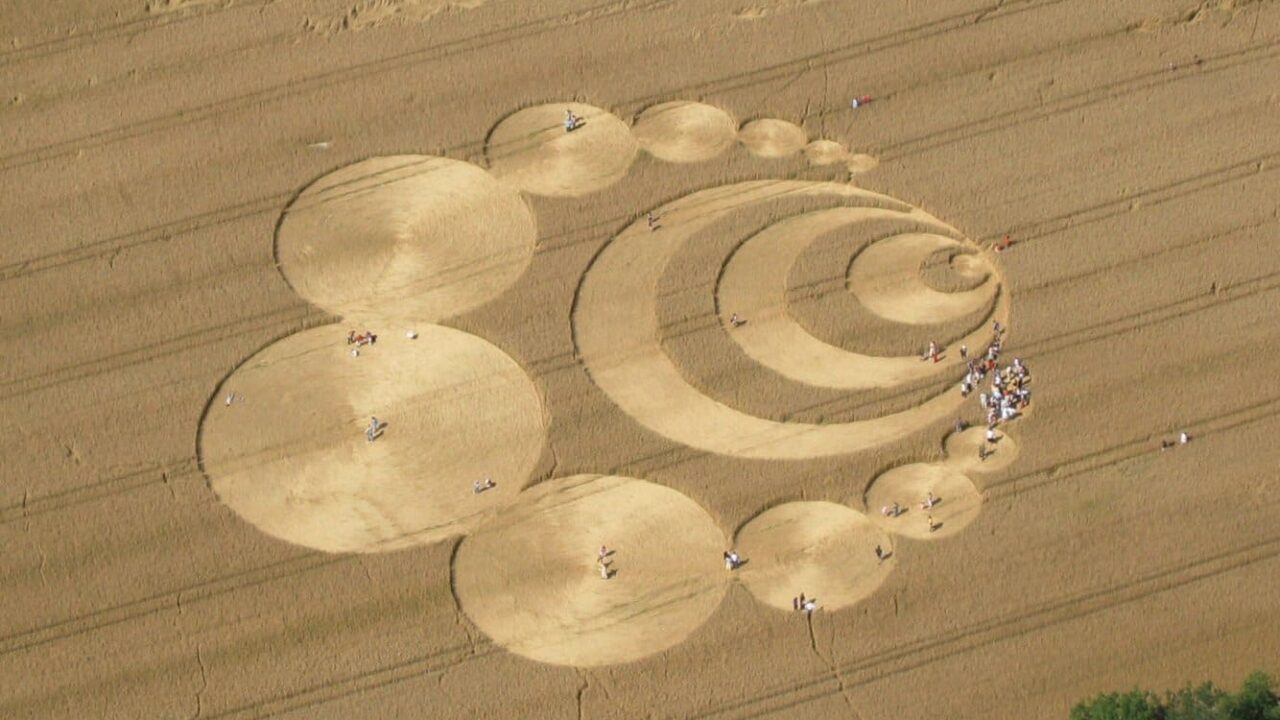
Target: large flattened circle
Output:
{"points": [[530, 581], [290, 455], [821, 549], [685, 132], [531, 150], [770, 138], [956, 500], [407, 236]]}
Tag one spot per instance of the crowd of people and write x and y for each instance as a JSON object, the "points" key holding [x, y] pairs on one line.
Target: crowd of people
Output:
{"points": [[1009, 393], [359, 340]]}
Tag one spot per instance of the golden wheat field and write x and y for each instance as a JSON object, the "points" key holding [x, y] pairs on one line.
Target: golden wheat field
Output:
{"points": [[427, 358]]}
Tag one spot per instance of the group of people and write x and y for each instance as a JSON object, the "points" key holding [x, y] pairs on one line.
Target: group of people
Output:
{"points": [[732, 560], [359, 340], [894, 510], [1009, 394], [803, 604]]}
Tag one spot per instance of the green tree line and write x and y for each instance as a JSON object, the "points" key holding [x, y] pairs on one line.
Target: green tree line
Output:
{"points": [[1255, 701]]}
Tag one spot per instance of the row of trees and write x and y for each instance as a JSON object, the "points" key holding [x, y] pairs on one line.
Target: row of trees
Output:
{"points": [[1256, 701]]}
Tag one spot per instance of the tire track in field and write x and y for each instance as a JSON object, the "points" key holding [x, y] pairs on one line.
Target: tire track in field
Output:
{"points": [[31, 507], [911, 656], [1171, 310], [131, 28], [1149, 80], [231, 213], [168, 600], [292, 317], [258, 98]]}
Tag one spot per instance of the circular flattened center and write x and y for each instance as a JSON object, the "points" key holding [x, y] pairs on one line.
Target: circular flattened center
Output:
{"points": [[685, 132], [408, 236], [772, 138], [824, 550], [618, 340], [534, 150], [971, 266], [933, 501], [825, 152], [531, 578], [290, 453], [970, 451], [887, 279]]}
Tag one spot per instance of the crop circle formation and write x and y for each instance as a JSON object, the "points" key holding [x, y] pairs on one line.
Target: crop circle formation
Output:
{"points": [[403, 431]]}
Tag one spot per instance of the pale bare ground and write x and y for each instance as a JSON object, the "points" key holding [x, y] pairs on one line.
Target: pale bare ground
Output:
{"points": [[145, 160]]}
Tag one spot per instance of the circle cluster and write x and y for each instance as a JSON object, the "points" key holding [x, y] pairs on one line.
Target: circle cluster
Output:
{"points": [[573, 149], [396, 246], [618, 338]]}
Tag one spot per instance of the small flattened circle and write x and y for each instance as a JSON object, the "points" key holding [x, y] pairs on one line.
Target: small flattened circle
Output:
{"points": [[824, 550], [532, 150], [971, 266], [770, 138], [409, 236], [886, 278], [825, 152], [530, 578], [290, 455], [956, 502], [963, 451], [860, 163], [685, 132]]}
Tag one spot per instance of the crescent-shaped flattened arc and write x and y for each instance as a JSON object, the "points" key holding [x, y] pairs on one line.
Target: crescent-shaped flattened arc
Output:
{"points": [[754, 285], [886, 279], [616, 336]]}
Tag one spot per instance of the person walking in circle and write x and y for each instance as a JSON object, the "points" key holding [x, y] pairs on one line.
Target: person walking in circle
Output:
{"points": [[731, 560], [602, 562]]}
